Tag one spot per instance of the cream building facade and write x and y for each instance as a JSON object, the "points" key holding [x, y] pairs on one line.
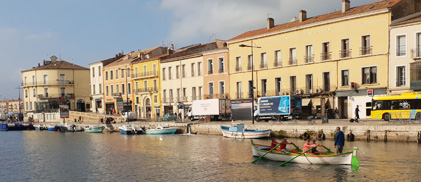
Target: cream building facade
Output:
{"points": [[333, 61], [55, 83]]}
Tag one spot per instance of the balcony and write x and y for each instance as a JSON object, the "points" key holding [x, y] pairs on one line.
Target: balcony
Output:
{"points": [[209, 96], [238, 68], [49, 83], [263, 65], [366, 50], [116, 94], [345, 53], [249, 67], [326, 56], [309, 58], [277, 63], [292, 61], [55, 96], [239, 95], [210, 72], [149, 74], [220, 70], [145, 90], [416, 53]]}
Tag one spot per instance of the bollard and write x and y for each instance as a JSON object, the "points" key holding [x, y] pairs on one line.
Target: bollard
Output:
{"points": [[385, 136], [419, 137], [368, 135]]}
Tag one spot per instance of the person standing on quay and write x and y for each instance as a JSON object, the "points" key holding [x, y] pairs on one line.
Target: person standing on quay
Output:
{"points": [[357, 115], [339, 140]]}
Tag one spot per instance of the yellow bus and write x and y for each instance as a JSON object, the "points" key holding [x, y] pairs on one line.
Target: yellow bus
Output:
{"points": [[400, 107]]}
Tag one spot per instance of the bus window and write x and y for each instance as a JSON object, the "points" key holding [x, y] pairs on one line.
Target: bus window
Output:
{"points": [[378, 105]]}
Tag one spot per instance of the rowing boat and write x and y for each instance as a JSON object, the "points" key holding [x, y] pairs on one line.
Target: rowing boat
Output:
{"points": [[238, 131], [343, 158]]}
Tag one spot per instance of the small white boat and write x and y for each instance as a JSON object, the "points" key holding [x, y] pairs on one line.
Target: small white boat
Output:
{"points": [[40, 127], [237, 130], [74, 128], [127, 129], [94, 129], [343, 158]]}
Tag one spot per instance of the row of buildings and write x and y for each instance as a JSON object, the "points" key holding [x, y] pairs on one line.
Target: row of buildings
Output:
{"points": [[334, 61]]}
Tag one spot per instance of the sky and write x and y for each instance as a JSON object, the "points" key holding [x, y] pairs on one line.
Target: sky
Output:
{"points": [[88, 31]]}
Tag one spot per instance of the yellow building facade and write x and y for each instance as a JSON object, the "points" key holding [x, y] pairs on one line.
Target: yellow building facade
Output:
{"points": [[331, 60]]}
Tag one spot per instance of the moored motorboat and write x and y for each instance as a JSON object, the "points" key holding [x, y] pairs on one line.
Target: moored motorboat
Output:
{"points": [[161, 131], [74, 128], [343, 158], [94, 129], [237, 130], [40, 127], [127, 129]]}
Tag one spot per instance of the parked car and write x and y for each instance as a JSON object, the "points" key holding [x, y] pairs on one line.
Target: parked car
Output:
{"points": [[169, 117]]}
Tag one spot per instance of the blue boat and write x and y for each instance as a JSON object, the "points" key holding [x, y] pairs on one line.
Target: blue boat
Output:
{"points": [[15, 126]]}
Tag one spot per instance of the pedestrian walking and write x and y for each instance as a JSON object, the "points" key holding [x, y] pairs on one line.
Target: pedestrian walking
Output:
{"points": [[339, 140], [357, 115]]}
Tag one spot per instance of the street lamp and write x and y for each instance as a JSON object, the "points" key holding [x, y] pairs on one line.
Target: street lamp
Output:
{"points": [[252, 78], [127, 93]]}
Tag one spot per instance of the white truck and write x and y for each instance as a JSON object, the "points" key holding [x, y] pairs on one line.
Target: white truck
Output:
{"points": [[129, 116], [217, 109]]}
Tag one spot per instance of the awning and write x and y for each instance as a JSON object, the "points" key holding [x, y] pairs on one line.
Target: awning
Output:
{"points": [[316, 102], [306, 102]]}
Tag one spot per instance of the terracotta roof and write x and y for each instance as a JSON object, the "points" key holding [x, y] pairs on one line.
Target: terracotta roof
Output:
{"points": [[58, 65], [138, 60], [181, 57], [128, 58], [110, 60], [338, 14], [410, 20]]}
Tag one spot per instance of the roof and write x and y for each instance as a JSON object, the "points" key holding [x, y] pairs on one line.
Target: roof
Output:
{"points": [[58, 65], [138, 60], [193, 50], [128, 58], [414, 18], [338, 14]]}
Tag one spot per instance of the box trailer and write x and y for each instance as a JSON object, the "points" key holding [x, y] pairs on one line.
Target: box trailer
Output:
{"points": [[217, 109], [278, 108]]}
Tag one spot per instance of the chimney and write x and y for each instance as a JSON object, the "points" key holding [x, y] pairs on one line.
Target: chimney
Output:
{"points": [[271, 23], [346, 5], [172, 47], [303, 15], [53, 58]]}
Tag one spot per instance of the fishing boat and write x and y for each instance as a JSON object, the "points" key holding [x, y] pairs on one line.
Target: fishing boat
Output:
{"points": [[40, 127], [237, 130], [94, 129], [127, 129], [74, 128], [15, 126], [332, 158], [161, 131]]}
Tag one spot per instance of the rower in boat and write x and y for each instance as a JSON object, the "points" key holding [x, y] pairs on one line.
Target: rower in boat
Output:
{"points": [[307, 146]]}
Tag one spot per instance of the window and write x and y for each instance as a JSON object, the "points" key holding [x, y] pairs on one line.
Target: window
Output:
{"points": [[309, 54], [278, 86], [26, 93], [369, 75], [62, 91], [45, 79], [122, 73], [106, 75], [33, 80], [184, 94], [365, 45], [106, 91], [136, 72], [93, 89], [154, 70], [264, 87], [263, 60], [117, 88], [137, 86], [111, 75], [183, 71], [193, 91], [164, 95], [145, 70], [292, 56], [155, 86], [292, 84], [221, 88], [34, 92], [309, 84], [401, 45], [137, 100], [46, 92], [116, 74], [112, 89], [418, 51], [400, 76], [169, 73], [210, 88], [100, 88], [199, 68], [171, 96], [277, 61], [193, 69], [345, 77], [325, 51], [326, 81], [99, 70], [210, 66], [239, 90], [145, 85], [93, 71], [238, 64], [345, 48], [178, 95], [24, 80], [177, 72], [200, 93], [251, 88], [221, 65], [129, 72], [122, 89], [129, 88], [62, 79], [163, 73], [155, 99], [249, 62]]}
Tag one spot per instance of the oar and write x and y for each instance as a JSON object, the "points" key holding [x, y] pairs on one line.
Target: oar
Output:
{"points": [[266, 153], [351, 149], [296, 147], [295, 157], [354, 163], [328, 150]]}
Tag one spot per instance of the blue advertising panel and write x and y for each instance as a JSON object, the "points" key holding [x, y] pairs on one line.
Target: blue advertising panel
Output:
{"points": [[274, 105]]}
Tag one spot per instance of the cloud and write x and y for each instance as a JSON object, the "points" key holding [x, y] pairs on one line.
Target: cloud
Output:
{"points": [[194, 20]]}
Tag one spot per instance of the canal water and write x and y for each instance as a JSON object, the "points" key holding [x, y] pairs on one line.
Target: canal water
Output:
{"points": [[53, 156]]}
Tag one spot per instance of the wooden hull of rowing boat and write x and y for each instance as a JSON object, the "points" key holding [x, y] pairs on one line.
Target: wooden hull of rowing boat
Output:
{"points": [[344, 158]]}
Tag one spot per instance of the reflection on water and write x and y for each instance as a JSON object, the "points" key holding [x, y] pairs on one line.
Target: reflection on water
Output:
{"points": [[53, 156]]}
